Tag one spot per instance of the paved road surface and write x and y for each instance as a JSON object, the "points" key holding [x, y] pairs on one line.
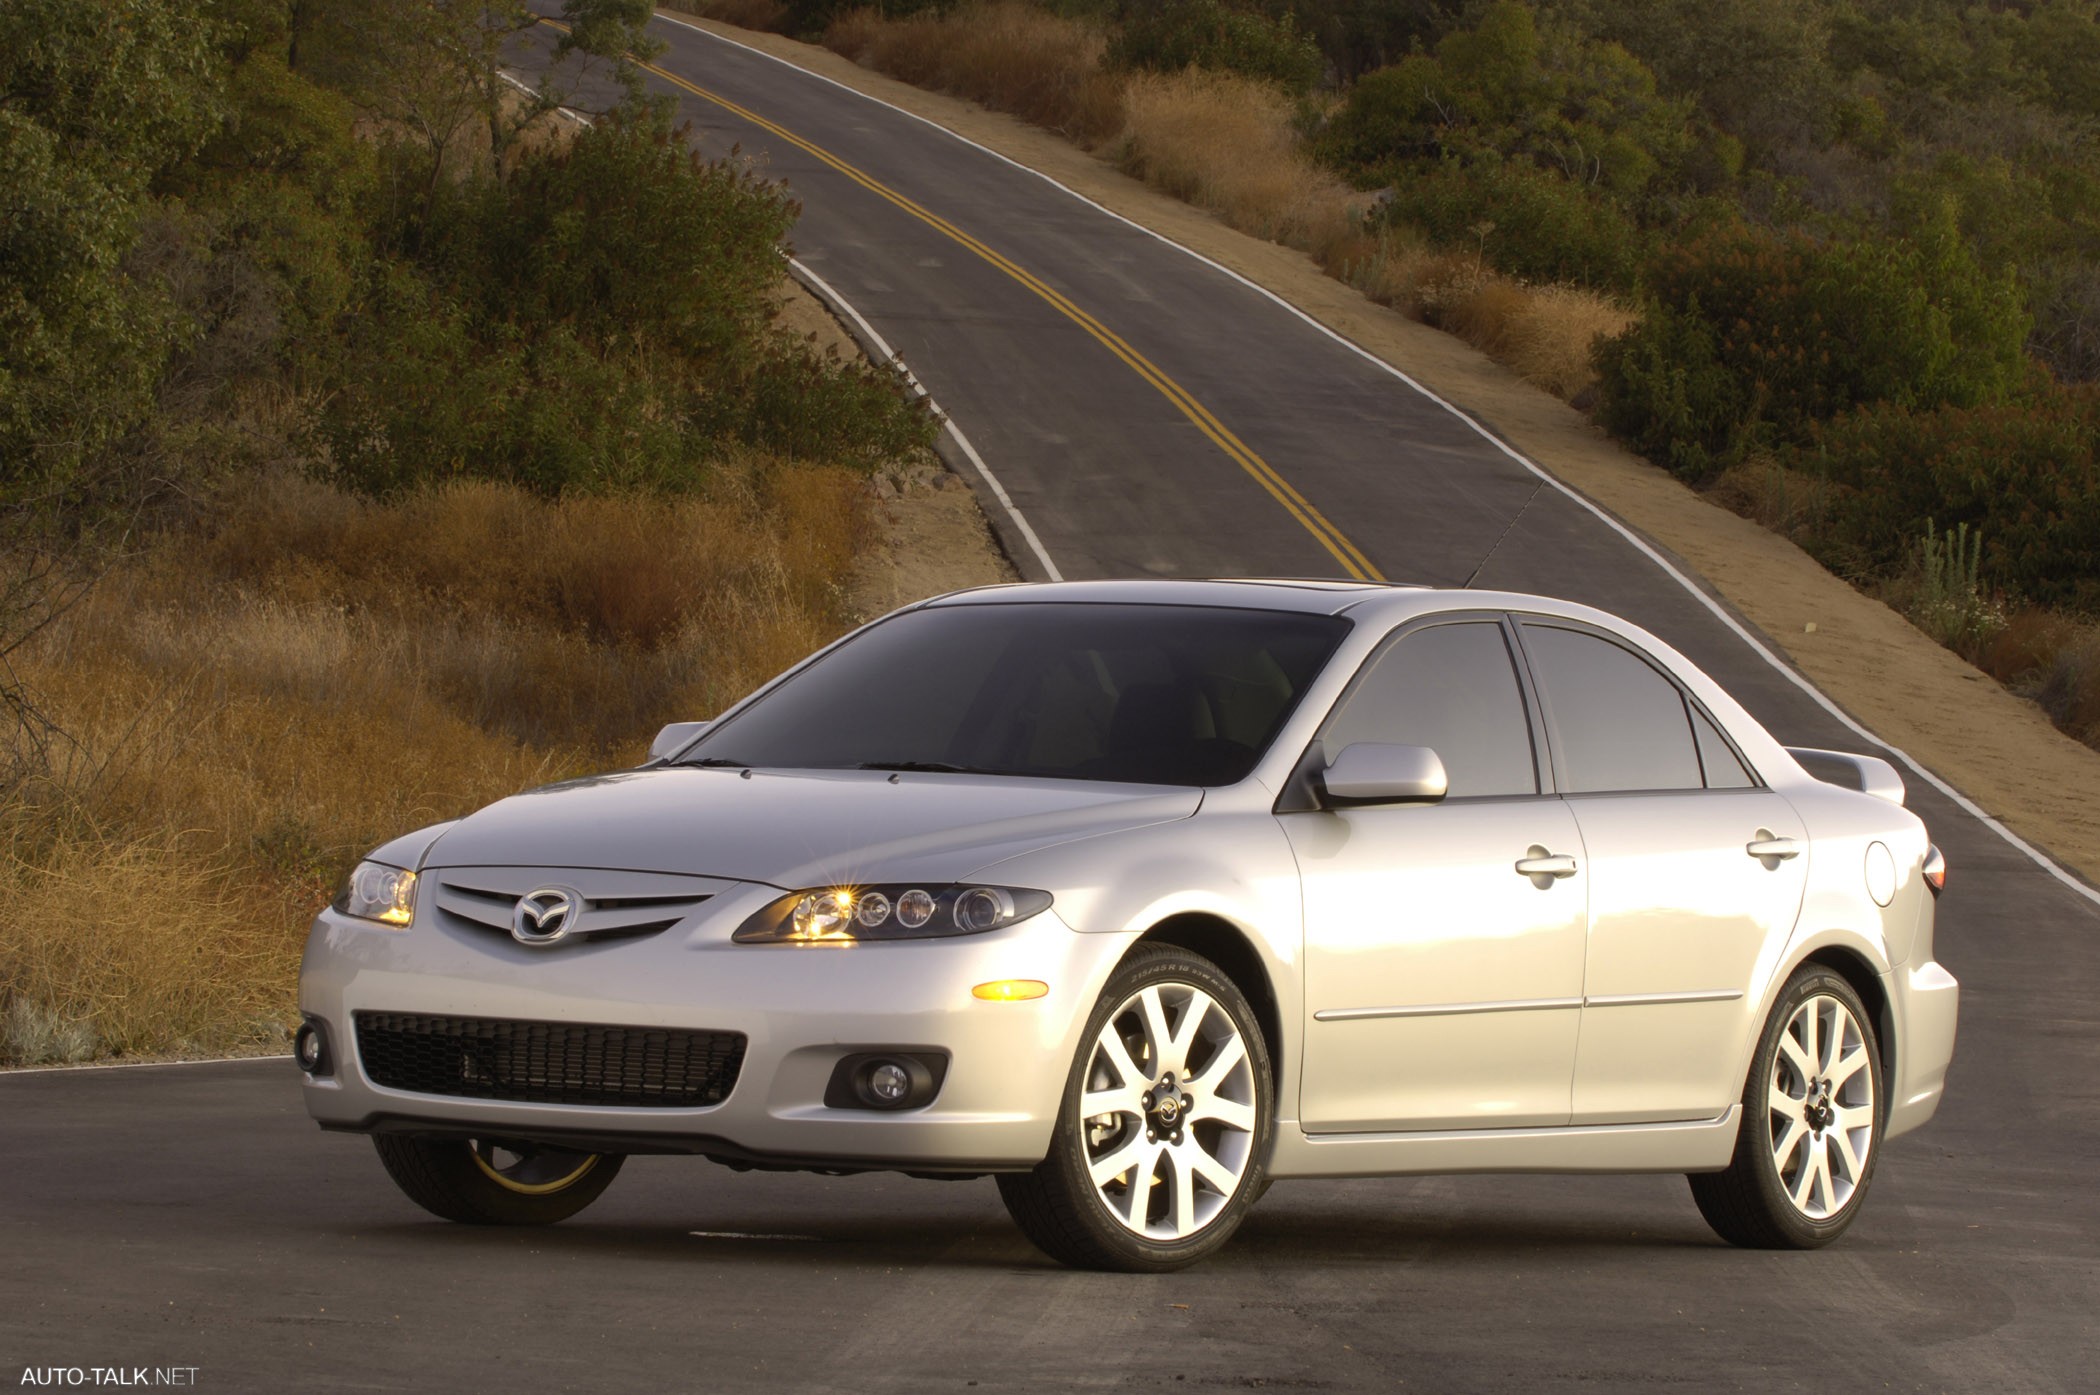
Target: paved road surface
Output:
{"points": [[191, 1216]]}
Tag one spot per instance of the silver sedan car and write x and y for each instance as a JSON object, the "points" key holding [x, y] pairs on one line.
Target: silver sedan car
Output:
{"points": [[1139, 895]]}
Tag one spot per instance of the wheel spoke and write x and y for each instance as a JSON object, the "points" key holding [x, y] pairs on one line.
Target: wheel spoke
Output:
{"points": [[1784, 1103], [1796, 1057], [1181, 1168], [1823, 1180], [1192, 1015], [1107, 1168], [1208, 1167], [1123, 1099], [1852, 1063], [1854, 1165], [1229, 1054], [1231, 1113], [1788, 1142], [1811, 1019], [1157, 1037], [1110, 1045], [1853, 1118], [1805, 1179]]}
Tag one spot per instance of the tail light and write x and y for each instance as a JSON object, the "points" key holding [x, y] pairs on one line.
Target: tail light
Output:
{"points": [[1935, 869]]}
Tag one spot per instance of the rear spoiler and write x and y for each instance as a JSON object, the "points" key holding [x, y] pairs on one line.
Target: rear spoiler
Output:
{"points": [[1869, 774]]}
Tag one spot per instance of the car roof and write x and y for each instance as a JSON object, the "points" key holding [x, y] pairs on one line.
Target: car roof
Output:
{"points": [[1307, 595]]}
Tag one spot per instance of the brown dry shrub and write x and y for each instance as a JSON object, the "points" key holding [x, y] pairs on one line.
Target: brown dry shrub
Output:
{"points": [[1008, 55], [302, 674], [1229, 144]]}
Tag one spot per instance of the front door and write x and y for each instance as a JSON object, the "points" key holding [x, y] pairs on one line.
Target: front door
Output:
{"points": [[1443, 987]]}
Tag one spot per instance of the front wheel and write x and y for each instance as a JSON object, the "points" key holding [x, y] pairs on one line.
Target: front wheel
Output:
{"points": [[1811, 1130], [494, 1181], [1162, 1139]]}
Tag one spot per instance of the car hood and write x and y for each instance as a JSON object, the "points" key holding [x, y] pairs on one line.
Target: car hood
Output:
{"points": [[797, 828]]}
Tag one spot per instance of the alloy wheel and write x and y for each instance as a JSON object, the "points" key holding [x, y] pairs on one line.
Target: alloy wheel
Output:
{"points": [[1168, 1112], [1822, 1107]]}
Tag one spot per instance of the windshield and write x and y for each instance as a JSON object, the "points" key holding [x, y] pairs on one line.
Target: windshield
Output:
{"points": [[1146, 694]]}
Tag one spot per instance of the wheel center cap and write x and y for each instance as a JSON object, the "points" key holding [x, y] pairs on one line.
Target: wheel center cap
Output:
{"points": [[1168, 1109]]}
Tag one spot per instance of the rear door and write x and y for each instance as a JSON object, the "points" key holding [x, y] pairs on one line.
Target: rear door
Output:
{"points": [[1443, 987], [1696, 874]]}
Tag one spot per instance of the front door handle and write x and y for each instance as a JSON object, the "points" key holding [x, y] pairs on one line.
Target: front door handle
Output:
{"points": [[1545, 868], [1770, 850]]}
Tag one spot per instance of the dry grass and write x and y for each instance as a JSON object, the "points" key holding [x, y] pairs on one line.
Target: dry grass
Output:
{"points": [[1229, 144], [302, 674], [1008, 55]]}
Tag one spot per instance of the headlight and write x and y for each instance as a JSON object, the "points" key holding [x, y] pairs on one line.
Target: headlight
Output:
{"points": [[849, 914], [378, 892]]}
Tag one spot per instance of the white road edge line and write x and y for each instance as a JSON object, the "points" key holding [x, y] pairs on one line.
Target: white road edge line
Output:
{"points": [[896, 362], [1641, 545], [85, 1067]]}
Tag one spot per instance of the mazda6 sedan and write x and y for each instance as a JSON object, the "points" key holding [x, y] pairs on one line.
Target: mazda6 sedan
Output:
{"points": [[1140, 895]]}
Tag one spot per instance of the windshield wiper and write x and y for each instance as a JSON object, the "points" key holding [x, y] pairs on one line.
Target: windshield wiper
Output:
{"points": [[716, 761], [936, 766]]}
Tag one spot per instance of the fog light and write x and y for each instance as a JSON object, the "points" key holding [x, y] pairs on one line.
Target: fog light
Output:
{"points": [[310, 1049], [889, 1082]]}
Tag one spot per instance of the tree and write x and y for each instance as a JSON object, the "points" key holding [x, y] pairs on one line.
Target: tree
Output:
{"points": [[438, 68]]}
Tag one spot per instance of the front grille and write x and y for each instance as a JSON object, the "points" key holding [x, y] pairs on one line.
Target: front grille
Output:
{"points": [[548, 1062]]}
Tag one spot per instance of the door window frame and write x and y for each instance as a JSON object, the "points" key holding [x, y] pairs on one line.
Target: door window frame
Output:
{"points": [[1300, 795]]}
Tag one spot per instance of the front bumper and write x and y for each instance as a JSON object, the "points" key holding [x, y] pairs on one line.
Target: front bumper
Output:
{"points": [[800, 1008]]}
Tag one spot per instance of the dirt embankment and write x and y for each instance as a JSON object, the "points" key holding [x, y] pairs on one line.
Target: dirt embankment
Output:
{"points": [[1996, 748]]}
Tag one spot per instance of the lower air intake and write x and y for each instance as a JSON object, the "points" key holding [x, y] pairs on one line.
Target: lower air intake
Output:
{"points": [[548, 1062]]}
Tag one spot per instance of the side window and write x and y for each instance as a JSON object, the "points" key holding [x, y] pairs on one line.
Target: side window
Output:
{"points": [[1620, 725], [1453, 689], [1724, 770]]}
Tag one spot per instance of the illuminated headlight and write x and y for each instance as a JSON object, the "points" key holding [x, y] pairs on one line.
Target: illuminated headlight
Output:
{"points": [[378, 892], [851, 914]]}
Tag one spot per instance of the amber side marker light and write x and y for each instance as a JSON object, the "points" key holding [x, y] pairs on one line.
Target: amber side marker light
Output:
{"points": [[1935, 869], [1010, 990]]}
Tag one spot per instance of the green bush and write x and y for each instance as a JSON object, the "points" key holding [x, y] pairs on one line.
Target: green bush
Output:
{"points": [[1752, 337], [1176, 34], [2024, 475], [1528, 222]]}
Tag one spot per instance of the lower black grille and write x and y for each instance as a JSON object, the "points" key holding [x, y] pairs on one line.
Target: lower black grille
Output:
{"points": [[548, 1062]]}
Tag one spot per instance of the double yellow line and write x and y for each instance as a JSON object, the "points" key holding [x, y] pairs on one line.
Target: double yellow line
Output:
{"points": [[1345, 552]]}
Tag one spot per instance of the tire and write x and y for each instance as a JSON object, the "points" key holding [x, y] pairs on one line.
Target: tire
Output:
{"points": [[1197, 1152], [1812, 1123], [494, 1181]]}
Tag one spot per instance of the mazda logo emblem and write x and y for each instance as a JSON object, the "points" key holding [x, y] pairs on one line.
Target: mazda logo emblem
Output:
{"points": [[544, 916]]}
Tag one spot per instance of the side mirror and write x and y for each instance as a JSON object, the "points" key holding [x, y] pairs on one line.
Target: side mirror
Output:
{"points": [[1373, 772], [674, 736]]}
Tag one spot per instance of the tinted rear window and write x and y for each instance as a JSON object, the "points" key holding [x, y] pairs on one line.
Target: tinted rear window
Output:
{"points": [[1175, 695], [1618, 724]]}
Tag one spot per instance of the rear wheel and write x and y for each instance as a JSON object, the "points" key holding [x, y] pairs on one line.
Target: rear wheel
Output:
{"points": [[496, 1181], [1163, 1138], [1811, 1128]]}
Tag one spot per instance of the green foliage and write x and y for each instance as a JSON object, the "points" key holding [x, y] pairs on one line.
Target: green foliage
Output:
{"points": [[1947, 598], [203, 264], [1169, 35], [2024, 476], [1751, 338], [1527, 221], [599, 319]]}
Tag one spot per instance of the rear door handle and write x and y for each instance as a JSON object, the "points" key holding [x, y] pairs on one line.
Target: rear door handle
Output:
{"points": [[1764, 845], [1540, 863]]}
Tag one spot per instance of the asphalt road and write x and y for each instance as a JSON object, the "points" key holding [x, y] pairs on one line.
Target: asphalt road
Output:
{"points": [[191, 1215]]}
